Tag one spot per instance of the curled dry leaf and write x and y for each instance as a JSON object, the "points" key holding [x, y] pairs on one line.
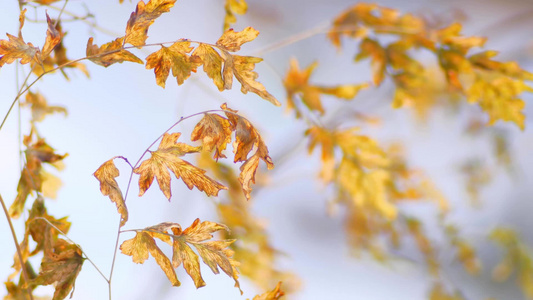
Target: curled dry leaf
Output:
{"points": [[110, 53], [60, 266], [246, 138], [215, 254], [53, 38], [167, 157], [106, 175], [144, 16]]}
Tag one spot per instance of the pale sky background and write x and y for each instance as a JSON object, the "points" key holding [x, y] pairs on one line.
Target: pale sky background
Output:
{"points": [[120, 111]]}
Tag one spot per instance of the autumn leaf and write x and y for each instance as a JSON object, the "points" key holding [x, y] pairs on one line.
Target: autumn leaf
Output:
{"points": [[53, 38], [215, 254], [110, 53], [15, 49], [232, 8], [211, 63], [167, 157], [275, 294], [243, 67], [60, 266], [174, 57], [215, 133], [297, 83], [106, 175], [144, 16], [247, 138], [139, 247], [40, 107], [36, 153], [232, 40]]}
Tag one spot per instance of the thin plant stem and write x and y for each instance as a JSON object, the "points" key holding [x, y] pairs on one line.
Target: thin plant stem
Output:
{"points": [[19, 252]]}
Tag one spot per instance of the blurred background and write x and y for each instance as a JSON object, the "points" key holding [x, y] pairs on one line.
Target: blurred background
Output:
{"points": [[120, 111]]}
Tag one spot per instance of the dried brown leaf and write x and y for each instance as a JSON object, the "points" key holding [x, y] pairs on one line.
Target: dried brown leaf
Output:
{"points": [[215, 132], [110, 53], [106, 175], [144, 16]]}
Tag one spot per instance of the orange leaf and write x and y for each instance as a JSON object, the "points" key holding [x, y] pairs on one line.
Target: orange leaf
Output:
{"points": [[243, 67], [143, 17], [106, 174], [174, 57], [215, 132], [212, 63], [16, 48], [246, 138], [139, 247], [110, 53], [53, 38], [167, 157], [232, 41]]}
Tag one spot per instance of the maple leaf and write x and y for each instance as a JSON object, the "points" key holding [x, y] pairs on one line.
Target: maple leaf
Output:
{"points": [[246, 138], [215, 132], [211, 63], [144, 16], [60, 266], [53, 38], [40, 107], [297, 83], [139, 247], [167, 157], [232, 40], [110, 53], [106, 175], [174, 57], [275, 294], [213, 253], [232, 8]]}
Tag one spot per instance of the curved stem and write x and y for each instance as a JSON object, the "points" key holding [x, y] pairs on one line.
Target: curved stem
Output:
{"points": [[19, 252]]}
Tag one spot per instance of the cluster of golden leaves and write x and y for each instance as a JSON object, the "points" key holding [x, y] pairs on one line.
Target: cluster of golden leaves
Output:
{"points": [[495, 86], [42, 59], [296, 82], [217, 59], [370, 182], [61, 260], [215, 254]]}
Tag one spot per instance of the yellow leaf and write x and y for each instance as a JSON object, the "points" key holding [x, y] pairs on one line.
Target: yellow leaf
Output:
{"points": [[167, 157], [106, 175], [110, 53], [175, 58], [232, 41], [139, 247], [144, 16], [371, 48], [215, 132], [212, 63], [232, 8], [243, 67]]}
